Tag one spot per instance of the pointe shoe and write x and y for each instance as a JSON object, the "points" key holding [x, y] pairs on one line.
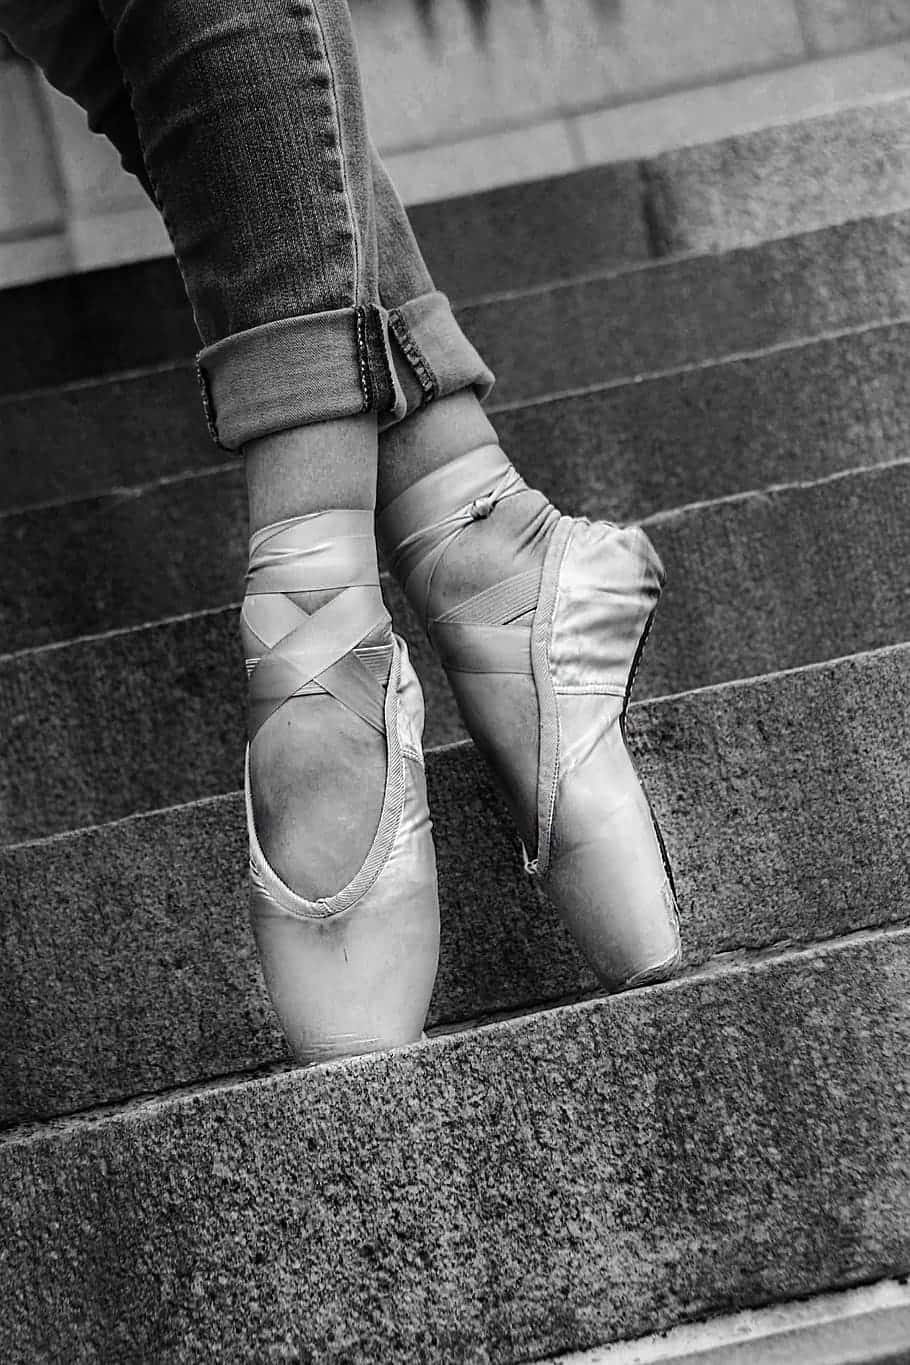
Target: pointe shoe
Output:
{"points": [[350, 972], [578, 629]]}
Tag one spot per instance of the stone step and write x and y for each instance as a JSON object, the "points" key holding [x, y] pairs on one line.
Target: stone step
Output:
{"points": [[129, 967], [110, 725], [746, 189], [544, 1184], [561, 340], [694, 310]]}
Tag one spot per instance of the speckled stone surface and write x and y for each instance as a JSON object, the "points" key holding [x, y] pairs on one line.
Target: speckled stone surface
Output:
{"points": [[126, 963], [75, 568], [107, 727], [629, 450], [562, 1180], [781, 578], [564, 339], [782, 180], [114, 433], [528, 235]]}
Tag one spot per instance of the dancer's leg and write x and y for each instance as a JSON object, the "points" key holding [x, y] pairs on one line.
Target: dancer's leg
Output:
{"points": [[270, 226], [250, 124], [72, 43], [441, 430], [539, 621]]}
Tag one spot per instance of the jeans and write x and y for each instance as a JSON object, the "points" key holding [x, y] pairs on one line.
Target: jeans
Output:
{"points": [[244, 120]]}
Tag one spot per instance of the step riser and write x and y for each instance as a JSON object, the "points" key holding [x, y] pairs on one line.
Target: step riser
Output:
{"points": [[623, 1165], [107, 727], [117, 433], [694, 311], [633, 449], [780, 180], [781, 803]]}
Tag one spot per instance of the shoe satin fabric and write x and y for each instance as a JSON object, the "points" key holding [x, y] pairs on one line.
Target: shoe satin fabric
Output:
{"points": [[351, 972], [599, 855]]}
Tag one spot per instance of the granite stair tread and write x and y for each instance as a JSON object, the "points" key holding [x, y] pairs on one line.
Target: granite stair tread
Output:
{"points": [[568, 1178]]}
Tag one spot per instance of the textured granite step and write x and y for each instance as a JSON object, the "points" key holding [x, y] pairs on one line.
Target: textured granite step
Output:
{"points": [[781, 180], [694, 310], [620, 452], [128, 966], [110, 725], [556, 1181], [739, 191], [664, 316]]}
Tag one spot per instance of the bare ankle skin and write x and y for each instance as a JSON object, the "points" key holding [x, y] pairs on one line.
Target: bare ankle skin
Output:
{"points": [[428, 438]]}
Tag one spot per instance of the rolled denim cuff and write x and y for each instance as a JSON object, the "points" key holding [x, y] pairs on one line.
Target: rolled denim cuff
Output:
{"points": [[298, 370], [438, 351]]}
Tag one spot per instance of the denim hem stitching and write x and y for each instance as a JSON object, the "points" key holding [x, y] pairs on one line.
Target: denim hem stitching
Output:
{"points": [[366, 386], [422, 367], [208, 405], [385, 359]]}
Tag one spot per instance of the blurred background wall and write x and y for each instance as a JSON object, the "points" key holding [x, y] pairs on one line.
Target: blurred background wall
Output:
{"points": [[469, 94]]}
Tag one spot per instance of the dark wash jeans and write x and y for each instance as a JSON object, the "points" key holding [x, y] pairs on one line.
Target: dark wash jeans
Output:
{"points": [[244, 120]]}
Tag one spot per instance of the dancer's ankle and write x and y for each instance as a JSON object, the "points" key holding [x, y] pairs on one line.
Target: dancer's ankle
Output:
{"points": [[307, 469], [428, 438]]}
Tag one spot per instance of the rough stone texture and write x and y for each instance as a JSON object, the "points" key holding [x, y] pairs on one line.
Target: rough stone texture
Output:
{"points": [[108, 321], [861, 1325], [770, 580], [553, 1182], [781, 180], [686, 312], [125, 559], [127, 964], [109, 726], [524, 236], [104, 322], [620, 453], [844, 25], [87, 438], [802, 413], [139, 719]]}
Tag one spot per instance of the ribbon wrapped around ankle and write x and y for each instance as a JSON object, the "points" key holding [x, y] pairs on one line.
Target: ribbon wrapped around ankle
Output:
{"points": [[344, 648], [472, 484]]}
